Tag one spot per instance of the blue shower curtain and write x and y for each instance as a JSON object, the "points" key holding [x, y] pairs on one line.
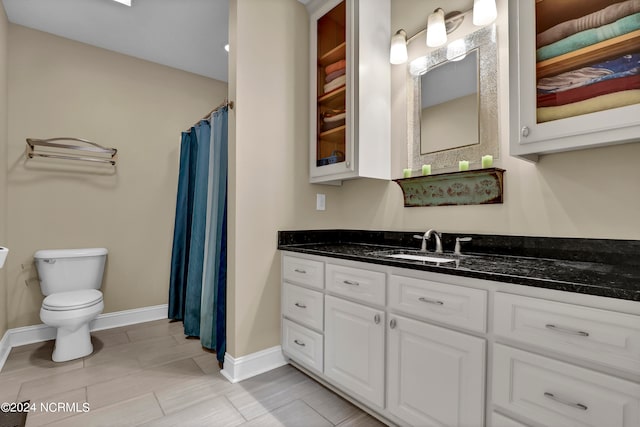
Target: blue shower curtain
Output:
{"points": [[197, 289]]}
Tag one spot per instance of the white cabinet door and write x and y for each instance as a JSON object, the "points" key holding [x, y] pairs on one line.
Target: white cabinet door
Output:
{"points": [[354, 348], [435, 375]]}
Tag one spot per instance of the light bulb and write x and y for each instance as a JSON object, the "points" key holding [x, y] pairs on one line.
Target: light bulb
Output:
{"points": [[436, 31]]}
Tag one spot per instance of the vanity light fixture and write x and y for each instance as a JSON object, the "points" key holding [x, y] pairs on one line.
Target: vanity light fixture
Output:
{"points": [[398, 53], [439, 25], [226, 47], [124, 2]]}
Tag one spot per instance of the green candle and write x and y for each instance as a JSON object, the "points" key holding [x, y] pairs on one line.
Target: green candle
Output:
{"points": [[487, 161], [426, 169], [463, 165], [406, 173]]}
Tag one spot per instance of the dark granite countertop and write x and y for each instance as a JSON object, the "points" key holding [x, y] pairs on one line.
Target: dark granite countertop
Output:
{"points": [[612, 271]]}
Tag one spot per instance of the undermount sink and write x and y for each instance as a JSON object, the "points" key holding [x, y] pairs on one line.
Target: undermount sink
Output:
{"points": [[411, 255], [420, 258]]}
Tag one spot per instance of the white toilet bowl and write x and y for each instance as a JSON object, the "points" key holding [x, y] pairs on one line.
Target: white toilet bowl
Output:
{"points": [[70, 313]]}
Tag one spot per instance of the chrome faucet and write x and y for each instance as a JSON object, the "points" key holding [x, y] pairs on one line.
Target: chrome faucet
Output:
{"points": [[427, 235]]}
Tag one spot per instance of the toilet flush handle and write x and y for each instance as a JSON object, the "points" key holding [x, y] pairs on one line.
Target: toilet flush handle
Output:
{"points": [[49, 261]]}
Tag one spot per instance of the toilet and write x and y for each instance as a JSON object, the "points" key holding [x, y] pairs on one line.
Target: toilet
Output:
{"points": [[70, 279]]}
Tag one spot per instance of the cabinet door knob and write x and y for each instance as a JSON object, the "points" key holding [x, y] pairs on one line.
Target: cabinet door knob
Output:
{"points": [[300, 343], [392, 323], [376, 319], [525, 131], [300, 305]]}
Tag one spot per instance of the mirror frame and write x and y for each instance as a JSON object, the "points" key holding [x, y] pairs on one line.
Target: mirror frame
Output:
{"points": [[485, 42]]}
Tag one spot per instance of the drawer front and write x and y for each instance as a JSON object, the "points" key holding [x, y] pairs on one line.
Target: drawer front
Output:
{"points": [[303, 305], [555, 393], [302, 344], [363, 285], [605, 337], [450, 304], [303, 271], [499, 420]]}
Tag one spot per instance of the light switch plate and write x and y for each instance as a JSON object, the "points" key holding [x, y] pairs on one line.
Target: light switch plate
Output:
{"points": [[320, 202]]}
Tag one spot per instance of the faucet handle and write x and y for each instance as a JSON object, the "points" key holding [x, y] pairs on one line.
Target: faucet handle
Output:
{"points": [[456, 250], [417, 236]]}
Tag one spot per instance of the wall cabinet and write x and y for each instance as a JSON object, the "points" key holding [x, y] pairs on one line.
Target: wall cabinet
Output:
{"points": [[543, 122], [350, 94], [435, 375]]}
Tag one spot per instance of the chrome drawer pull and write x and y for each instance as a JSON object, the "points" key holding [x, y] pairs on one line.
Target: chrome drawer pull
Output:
{"points": [[349, 282], [297, 270], [376, 319], [300, 305], [392, 323], [430, 301], [566, 330], [300, 343], [565, 402]]}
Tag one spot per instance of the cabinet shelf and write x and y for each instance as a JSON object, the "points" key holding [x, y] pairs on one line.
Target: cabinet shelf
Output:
{"points": [[593, 54], [333, 135], [336, 54], [333, 95]]}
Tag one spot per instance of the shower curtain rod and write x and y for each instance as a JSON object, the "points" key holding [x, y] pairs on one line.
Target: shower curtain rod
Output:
{"points": [[226, 103]]}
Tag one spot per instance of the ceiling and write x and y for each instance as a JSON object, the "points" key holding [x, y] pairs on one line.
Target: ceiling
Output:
{"points": [[186, 34]]}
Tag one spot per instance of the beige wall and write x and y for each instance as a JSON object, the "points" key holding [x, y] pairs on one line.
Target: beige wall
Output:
{"points": [[4, 25], [59, 87], [589, 193]]}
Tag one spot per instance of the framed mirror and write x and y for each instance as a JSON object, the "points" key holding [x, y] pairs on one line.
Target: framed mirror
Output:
{"points": [[453, 103]]}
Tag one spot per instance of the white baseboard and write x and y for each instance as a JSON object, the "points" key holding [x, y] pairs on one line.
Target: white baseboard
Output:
{"points": [[243, 367], [38, 333], [5, 348]]}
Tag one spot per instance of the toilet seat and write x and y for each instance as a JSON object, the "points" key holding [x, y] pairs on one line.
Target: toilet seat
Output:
{"points": [[74, 300]]}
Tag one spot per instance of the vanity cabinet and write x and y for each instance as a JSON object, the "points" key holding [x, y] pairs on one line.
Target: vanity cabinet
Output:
{"points": [[435, 375], [533, 132], [350, 92]]}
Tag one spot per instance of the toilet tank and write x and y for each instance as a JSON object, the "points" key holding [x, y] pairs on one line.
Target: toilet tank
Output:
{"points": [[65, 270]]}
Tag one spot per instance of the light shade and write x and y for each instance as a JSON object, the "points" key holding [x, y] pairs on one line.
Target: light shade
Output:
{"points": [[484, 12], [436, 31], [125, 2], [398, 52]]}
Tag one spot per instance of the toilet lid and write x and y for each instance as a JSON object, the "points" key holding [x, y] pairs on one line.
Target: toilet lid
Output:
{"points": [[72, 300]]}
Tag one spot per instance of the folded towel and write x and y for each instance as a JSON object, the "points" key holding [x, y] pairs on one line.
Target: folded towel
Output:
{"points": [[623, 66], [592, 105], [337, 117], [596, 19], [335, 66], [588, 91], [589, 37], [338, 73], [336, 83], [332, 112], [332, 125]]}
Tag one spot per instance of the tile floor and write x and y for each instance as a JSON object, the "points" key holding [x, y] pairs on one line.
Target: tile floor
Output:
{"points": [[149, 374]]}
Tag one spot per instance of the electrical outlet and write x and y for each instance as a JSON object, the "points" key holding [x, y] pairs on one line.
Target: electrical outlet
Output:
{"points": [[320, 202]]}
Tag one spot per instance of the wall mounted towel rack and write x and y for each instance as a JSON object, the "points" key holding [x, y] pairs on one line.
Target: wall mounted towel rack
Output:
{"points": [[99, 153]]}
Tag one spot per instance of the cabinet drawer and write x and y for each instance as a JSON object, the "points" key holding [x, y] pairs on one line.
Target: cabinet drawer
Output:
{"points": [[363, 285], [302, 344], [303, 305], [303, 271], [605, 337], [558, 394], [499, 420], [451, 304]]}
